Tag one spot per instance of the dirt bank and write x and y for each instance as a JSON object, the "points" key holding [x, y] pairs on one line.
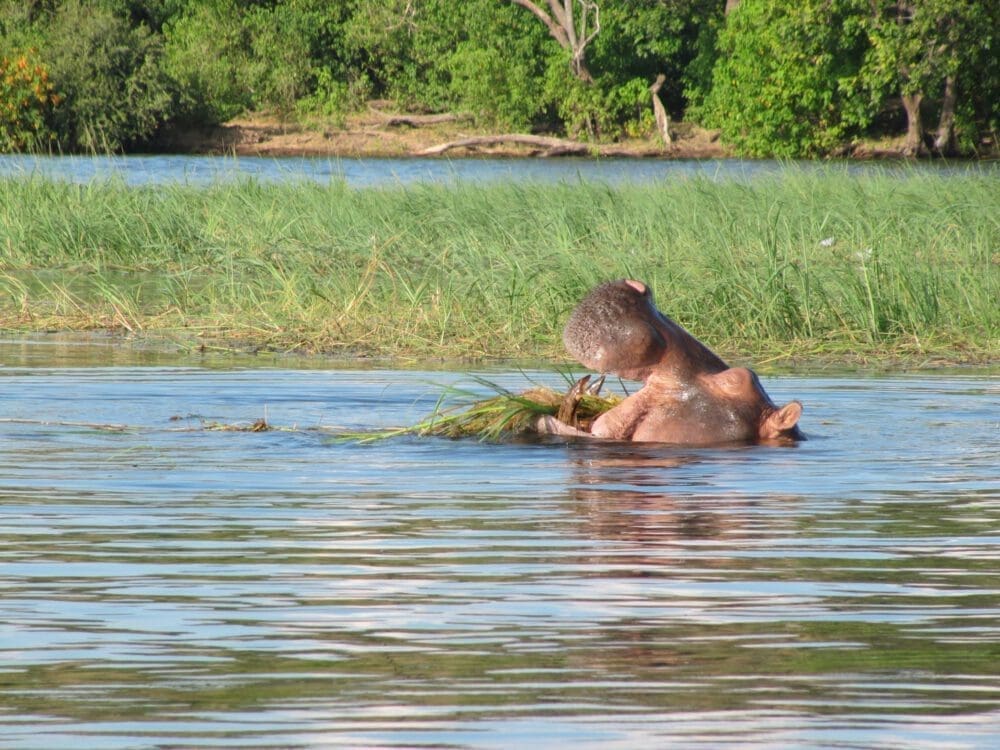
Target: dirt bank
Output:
{"points": [[380, 133]]}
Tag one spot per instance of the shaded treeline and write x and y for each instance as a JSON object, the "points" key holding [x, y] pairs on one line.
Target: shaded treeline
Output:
{"points": [[777, 78]]}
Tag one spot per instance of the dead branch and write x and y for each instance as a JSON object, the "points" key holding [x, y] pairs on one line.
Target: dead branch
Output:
{"points": [[544, 146]]}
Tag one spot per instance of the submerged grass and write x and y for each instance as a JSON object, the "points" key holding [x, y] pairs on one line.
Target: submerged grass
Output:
{"points": [[798, 264]]}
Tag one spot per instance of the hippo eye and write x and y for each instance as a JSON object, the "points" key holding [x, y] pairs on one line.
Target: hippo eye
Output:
{"points": [[736, 380]]}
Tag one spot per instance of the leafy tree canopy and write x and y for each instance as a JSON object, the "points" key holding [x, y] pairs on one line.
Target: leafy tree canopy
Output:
{"points": [[776, 78]]}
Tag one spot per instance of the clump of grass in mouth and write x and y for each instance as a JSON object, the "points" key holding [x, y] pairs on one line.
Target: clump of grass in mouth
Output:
{"points": [[503, 416]]}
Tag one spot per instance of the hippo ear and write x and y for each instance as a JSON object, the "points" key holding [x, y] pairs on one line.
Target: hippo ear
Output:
{"points": [[782, 420]]}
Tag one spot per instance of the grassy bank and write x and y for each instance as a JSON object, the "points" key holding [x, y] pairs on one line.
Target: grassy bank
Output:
{"points": [[797, 265]]}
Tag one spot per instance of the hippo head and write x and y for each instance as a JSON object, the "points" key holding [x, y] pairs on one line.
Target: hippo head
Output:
{"points": [[617, 329], [690, 396]]}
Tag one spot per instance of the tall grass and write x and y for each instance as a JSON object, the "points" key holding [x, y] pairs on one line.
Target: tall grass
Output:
{"points": [[800, 263]]}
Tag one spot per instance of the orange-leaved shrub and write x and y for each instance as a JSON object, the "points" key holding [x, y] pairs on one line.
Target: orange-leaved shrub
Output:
{"points": [[27, 96]]}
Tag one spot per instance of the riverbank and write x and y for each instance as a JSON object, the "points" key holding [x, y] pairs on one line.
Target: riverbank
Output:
{"points": [[803, 265], [381, 133]]}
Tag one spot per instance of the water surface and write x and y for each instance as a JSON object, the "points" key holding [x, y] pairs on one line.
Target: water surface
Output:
{"points": [[367, 172], [165, 585]]}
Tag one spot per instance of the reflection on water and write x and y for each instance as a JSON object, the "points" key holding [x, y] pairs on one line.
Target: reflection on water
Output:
{"points": [[164, 585]]}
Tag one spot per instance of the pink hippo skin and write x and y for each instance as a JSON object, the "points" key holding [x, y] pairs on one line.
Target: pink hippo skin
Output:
{"points": [[689, 396]]}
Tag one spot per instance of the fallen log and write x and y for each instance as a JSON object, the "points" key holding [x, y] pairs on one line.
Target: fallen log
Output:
{"points": [[544, 145]]}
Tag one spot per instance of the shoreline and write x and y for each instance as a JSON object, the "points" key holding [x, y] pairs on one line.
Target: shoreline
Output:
{"points": [[162, 345], [379, 134]]}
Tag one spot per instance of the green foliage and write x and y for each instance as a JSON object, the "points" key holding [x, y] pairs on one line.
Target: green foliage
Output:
{"points": [[599, 110], [497, 93], [484, 57], [497, 61], [698, 74], [228, 56], [398, 47], [205, 55], [26, 101], [18, 29], [280, 63], [110, 75], [497, 70], [578, 104], [787, 80], [332, 96], [641, 39], [914, 47]]}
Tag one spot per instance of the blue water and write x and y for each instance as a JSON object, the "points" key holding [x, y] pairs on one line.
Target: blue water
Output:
{"points": [[164, 584], [364, 172]]}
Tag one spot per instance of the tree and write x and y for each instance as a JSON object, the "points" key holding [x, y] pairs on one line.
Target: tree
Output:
{"points": [[639, 41], [786, 81], [573, 33], [481, 57], [110, 76], [922, 50], [206, 53]]}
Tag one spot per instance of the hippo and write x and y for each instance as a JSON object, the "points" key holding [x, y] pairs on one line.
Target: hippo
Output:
{"points": [[689, 395]]}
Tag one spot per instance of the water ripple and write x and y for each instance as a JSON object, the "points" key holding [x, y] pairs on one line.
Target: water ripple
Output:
{"points": [[165, 585]]}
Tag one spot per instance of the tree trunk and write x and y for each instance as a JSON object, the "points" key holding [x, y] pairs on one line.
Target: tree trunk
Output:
{"points": [[573, 35], [660, 112], [945, 140], [914, 143]]}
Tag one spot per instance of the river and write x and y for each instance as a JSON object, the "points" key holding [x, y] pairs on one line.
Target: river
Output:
{"points": [[163, 584], [370, 172]]}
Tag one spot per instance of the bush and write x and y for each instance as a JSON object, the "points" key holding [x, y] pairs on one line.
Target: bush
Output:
{"points": [[280, 68], [116, 93], [500, 91], [204, 53], [478, 56], [787, 81], [26, 101]]}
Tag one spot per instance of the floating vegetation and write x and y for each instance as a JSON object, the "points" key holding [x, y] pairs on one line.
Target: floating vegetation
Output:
{"points": [[63, 423], [259, 425], [459, 413], [504, 416]]}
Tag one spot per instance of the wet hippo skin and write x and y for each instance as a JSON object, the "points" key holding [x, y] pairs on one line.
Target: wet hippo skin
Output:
{"points": [[689, 395]]}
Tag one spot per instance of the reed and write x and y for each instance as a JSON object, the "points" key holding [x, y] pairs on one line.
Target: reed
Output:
{"points": [[803, 263]]}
